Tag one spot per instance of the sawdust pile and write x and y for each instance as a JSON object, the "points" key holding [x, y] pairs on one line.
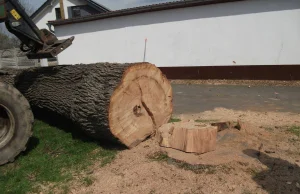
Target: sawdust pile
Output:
{"points": [[262, 157]]}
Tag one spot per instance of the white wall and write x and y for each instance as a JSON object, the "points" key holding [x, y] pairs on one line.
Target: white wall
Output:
{"points": [[49, 13], [254, 32]]}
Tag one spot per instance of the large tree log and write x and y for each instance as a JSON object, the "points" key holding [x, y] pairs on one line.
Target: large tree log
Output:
{"points": [[127, 101]]}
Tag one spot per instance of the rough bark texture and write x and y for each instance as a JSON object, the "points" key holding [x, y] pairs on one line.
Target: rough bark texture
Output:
{"points": [[7, 75], [188, 137], [104, 99]]}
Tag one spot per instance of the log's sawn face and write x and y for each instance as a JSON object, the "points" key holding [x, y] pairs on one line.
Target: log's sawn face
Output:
{"points": [[140, 104]]}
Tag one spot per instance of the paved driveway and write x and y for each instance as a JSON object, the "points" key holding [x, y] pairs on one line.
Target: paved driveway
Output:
{"points": [[199, 98]]}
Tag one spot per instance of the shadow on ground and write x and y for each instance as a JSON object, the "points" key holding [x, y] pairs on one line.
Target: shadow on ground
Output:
{"points": [[281, 176], [32, 144], [62, 123]]}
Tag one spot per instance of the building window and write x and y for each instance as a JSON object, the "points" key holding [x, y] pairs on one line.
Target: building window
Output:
{"points": [[80, 11], [76, 11], [58, 13]]}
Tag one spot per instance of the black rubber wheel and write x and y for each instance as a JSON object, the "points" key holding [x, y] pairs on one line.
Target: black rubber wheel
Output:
{"points": [[16, 121]]}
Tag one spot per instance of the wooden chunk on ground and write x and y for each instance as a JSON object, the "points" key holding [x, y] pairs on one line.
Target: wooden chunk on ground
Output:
{"points": [[188, 136]]}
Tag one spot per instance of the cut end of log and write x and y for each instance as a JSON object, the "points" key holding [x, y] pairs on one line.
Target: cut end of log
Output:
{"points": [[140, 104], [191, 137]]}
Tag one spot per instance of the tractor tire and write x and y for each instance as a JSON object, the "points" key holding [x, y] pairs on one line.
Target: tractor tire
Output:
{"points": [[16, 123]]}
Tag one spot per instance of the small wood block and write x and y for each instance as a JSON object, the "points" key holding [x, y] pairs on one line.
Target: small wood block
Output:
{"points": [[191, 136]]}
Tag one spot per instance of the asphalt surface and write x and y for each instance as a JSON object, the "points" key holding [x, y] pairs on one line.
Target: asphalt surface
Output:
{"points": [[199, 98]]}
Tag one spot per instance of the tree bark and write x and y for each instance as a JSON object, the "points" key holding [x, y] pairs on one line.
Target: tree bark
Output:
{"points": [[126, 101], [7, 75]]}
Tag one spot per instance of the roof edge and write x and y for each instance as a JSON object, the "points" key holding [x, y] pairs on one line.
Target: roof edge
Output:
{"points": [[47, 3], [98, 6], [41, 8], [142, 9]]}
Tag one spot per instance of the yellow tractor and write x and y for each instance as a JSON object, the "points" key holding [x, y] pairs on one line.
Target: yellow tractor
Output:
{"points": [[16, 118]]}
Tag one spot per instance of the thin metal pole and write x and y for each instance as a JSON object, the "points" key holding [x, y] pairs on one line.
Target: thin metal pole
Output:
{"points": [[145, 49]]}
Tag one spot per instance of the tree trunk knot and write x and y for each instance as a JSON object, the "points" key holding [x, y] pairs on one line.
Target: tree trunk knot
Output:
{"points": [[137, 110]]}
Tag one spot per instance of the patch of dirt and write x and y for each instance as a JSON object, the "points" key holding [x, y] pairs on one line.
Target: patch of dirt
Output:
{"points": [[262, 157]]}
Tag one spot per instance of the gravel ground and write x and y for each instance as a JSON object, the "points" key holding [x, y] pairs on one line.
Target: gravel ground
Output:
{"points": [[239, 82]]}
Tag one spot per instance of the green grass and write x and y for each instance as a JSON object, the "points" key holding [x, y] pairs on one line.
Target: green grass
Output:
{"points": [[270, 129], [197, 169], [87, 181], [152, 191], [174, 120], [159, 157], [255, 173], [53, 157], [245, 191], [205, 121], [294, 130]]}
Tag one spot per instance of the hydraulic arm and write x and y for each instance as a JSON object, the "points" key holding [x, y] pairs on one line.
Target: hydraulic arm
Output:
{"points": [[35, 42]]}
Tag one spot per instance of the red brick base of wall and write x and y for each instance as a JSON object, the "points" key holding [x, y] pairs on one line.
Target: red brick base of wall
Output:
{"points": [[253, 72]]}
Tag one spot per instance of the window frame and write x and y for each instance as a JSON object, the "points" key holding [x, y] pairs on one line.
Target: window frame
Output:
{"points": [[58, 13], [76, 7]]}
